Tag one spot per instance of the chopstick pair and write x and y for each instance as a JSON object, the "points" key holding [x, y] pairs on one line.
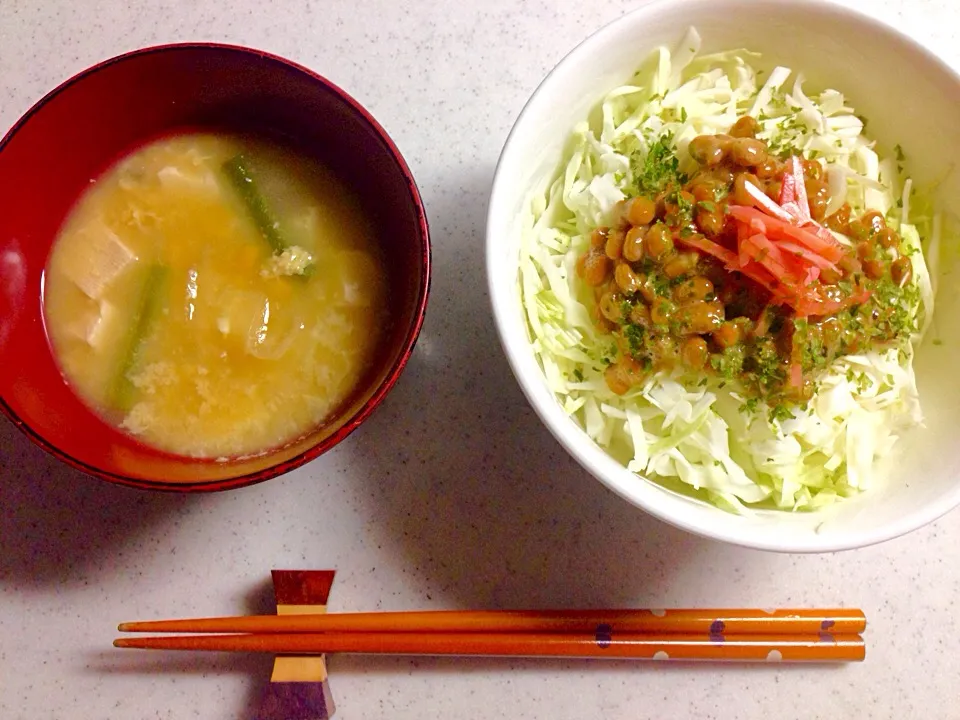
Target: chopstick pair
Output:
{"points": [[737, 635]]}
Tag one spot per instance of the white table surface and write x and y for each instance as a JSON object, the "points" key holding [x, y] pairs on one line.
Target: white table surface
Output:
{"points": [[452, 495]]}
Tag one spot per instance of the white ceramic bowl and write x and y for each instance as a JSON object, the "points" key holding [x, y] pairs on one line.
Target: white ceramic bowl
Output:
{"points": [[909, 96]]}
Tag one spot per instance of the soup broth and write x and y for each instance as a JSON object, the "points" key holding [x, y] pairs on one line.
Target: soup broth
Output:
{"points": [[215, 296]]}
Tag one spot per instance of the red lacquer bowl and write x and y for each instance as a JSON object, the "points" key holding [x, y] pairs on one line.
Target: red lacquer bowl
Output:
{"points": [[77, 131]]}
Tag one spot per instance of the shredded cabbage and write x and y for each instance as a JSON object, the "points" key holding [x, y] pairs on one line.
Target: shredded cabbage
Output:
{"points": [[700, 440]]}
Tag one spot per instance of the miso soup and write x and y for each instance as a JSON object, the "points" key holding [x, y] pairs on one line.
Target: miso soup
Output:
{"points": [[215, 296]]}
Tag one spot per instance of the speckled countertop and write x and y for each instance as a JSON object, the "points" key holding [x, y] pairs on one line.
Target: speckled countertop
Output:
{"points": [[452, 495]]}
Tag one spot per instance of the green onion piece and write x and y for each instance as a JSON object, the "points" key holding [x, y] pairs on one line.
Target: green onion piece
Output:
{"points": [[238, 173], [148, 308]]}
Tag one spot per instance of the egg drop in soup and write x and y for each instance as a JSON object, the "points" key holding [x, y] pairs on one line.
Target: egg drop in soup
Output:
{"points": [[216, 296]]}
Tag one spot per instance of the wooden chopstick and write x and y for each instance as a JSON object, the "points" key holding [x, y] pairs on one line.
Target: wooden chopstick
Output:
{"points": [[717, 621], [738, 635], [821, 647]]}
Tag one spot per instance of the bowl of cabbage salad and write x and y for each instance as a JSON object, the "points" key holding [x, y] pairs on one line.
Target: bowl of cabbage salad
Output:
{"points": [[719, 259]]}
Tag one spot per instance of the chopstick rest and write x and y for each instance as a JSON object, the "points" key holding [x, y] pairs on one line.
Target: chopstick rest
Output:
{"points": [[299, 686]]}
